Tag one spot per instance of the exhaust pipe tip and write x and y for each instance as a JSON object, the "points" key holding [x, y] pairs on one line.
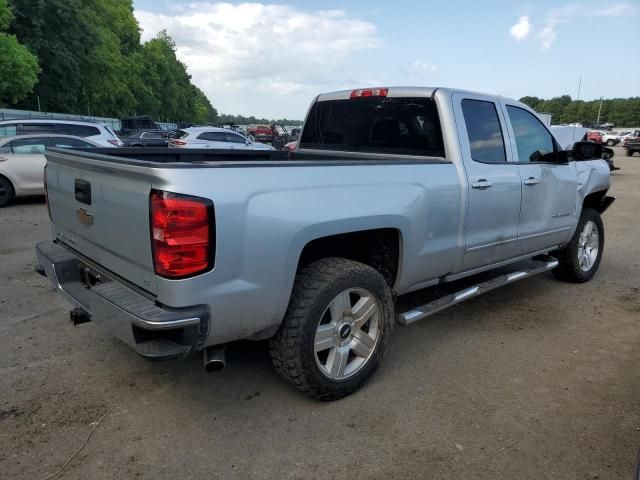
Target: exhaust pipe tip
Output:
{"points": [[214, 359]]}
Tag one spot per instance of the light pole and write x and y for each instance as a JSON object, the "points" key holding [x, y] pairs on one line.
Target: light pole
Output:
{"points": [[599, 110]]}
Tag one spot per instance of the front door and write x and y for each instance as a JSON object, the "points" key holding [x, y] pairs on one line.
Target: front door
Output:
{"points": [[493, 182], [549, 188]]}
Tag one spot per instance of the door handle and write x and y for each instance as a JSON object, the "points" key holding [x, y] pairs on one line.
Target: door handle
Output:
{"points": [[532, 181], [482, 183]]}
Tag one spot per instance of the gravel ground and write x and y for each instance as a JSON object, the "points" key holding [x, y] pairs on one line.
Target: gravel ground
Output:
{"points": [[533, 381]]}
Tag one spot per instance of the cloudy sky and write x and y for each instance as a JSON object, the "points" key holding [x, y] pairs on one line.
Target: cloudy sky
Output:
{"points": [[270, 59]]}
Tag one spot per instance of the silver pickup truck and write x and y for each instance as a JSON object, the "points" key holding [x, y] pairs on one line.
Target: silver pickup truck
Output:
{"points": [[391, 191]]}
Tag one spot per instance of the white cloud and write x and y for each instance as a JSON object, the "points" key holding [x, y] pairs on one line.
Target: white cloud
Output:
{"points": [[567, 13], [260, 59], [521, 29], [547, 35], [418, 68], [618, 9]]}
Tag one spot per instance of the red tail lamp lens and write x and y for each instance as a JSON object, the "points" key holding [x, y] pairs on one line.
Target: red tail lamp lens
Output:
{"points": [[181, 234]]}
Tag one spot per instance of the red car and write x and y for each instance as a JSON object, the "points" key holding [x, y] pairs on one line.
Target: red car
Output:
{"points": [[261, 133], [594, 136]]}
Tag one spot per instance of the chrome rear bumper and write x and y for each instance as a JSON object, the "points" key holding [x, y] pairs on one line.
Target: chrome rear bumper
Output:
{"points": [[153, 330]]}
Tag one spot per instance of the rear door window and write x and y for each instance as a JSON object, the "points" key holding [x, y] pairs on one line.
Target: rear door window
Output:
{"points": [[78, 130], [67, 142], [152, 135], [34, 128], [33, 145], [213, 136], [397, 126], [484, 131], [234, 138]]}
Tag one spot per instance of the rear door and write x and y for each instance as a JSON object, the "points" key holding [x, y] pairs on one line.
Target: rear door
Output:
{"points": [[234, 140], [493, 181], [549, 189], [213, 140], [26, 162]]}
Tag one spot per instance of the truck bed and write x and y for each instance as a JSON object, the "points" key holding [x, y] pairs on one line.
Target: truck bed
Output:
{"points": [[159, 157]]}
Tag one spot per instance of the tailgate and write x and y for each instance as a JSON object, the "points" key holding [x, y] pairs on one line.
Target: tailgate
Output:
{"points": [[101, 210]]}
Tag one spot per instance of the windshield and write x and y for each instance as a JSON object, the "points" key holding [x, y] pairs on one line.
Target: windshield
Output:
{"points": [[401, 126]]}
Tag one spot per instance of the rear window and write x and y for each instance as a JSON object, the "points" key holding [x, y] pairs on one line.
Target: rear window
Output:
{"points": [[181, 134], [400, 126], [108, 129]]}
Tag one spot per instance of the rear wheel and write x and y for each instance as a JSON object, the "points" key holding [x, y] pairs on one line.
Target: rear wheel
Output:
{"points": [[628, 152], [336, 328], [611, 143], [580, 259], [6, 192]]}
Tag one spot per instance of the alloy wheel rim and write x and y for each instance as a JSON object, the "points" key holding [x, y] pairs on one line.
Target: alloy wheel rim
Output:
{"points": [[588, 246], [348, 333]]}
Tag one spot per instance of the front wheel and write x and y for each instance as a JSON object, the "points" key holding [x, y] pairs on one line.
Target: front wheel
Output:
{"points": [[580, 259], [611, 143], [336, 328], [6, 192]]}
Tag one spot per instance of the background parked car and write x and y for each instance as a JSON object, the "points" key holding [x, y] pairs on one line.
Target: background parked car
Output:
{"points": [[611, 138], [94, 132], [214, 137], [147, 138], [22, 162], [594, 136], [260, 133], [631, 137]]}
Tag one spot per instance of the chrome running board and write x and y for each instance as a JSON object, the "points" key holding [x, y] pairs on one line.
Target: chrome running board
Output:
{"points": [[519, 271]]}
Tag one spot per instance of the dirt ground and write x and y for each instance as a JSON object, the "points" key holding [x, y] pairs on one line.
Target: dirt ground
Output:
{"points": [[533, 381]]}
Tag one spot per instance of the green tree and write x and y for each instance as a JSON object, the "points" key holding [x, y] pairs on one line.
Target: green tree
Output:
{"points": [[18, 66], [111, 74], [58, 34]]}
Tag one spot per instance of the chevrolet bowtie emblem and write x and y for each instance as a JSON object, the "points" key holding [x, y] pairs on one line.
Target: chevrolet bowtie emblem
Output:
{"points": [[85, 217]]}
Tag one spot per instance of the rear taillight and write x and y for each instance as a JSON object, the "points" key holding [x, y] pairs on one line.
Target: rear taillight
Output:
{"points": [[115, 143], [370, 92], [182, 234], [46, 193], [178, 142]]}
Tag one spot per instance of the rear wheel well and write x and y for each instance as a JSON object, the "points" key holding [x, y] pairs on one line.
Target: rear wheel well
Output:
{"points": [[379, 248]]}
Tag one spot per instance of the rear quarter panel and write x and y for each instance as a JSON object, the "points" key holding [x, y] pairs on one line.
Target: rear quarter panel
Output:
{"points": [[266, 215]]}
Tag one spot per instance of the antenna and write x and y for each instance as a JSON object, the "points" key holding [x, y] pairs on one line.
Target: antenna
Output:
{"points": [[577, 108]]}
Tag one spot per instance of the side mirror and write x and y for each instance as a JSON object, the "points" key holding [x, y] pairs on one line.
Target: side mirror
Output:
{"points": [[561, 156], [587, 151]]}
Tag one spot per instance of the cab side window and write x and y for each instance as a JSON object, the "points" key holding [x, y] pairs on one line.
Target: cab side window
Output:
{"points": [[484, 131], [533, 140]]}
